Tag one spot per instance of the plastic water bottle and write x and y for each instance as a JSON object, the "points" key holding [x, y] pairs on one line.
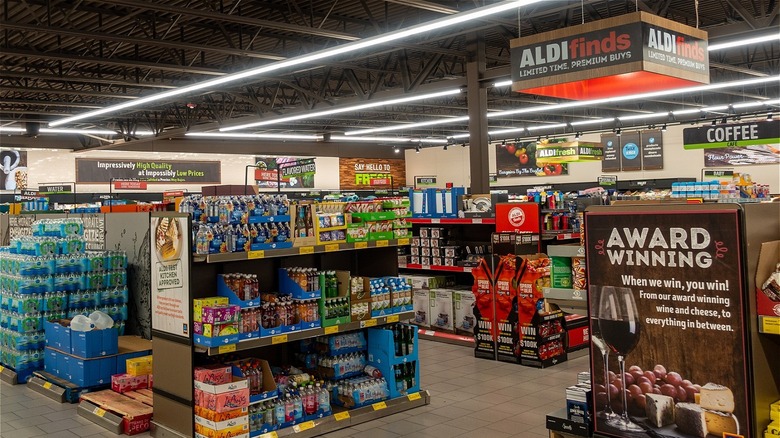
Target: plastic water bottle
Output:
{"points": [[101, 320], [81, 323]]}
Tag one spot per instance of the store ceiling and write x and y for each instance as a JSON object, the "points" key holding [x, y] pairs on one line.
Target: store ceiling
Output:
{"points": [[61, 58]]}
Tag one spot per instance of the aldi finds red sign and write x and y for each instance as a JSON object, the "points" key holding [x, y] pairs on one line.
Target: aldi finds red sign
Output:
{"points": [[130, 185], [637, 52]]}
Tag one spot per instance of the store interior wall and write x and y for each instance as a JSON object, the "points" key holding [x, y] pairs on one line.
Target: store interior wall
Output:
{"points": [[59, 165], [452, 165]]}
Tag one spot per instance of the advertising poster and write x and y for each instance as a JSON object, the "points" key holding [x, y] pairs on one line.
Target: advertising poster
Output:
{"points": [[740, 144], [652, 147], [371, 173], [519, 159], [666, 308], [14, 166], [298, 173], [170, 249], [484, 310], [630, 151], [611, 161], [100, 170]]}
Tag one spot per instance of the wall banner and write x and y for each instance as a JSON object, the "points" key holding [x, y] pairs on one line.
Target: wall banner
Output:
{"points": [[630, 151], [519, 159], [103, 171], [358, 173], [170, 252], [666, 305], [652, 147], [740, 144]]}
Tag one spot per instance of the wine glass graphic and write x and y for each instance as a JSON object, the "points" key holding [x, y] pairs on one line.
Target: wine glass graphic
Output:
{"points": [[598, 341], [620, 329]]}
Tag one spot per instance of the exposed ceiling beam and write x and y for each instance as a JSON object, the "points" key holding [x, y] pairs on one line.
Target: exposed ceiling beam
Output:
{"points": [[66, 92], [428, 6], [90, 80], [230, 18]]}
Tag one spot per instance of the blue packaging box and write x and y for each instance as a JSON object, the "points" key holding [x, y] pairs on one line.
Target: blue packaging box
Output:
{"points": [[57, 335], [51, 363], [95, 343], [91, 372]]}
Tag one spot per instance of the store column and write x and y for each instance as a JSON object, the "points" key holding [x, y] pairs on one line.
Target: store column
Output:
{"points": [[478, 124]]}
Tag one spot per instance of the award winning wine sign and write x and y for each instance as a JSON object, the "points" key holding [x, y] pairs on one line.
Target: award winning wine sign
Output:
{"points": [[666, 307]]}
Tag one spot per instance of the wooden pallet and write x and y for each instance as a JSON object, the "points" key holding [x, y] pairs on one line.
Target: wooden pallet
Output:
{"points": [[135, 415]]}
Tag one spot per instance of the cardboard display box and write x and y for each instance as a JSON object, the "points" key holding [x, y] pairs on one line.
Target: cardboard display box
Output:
{"points": [[463, 301], [767, 299], [421, 300], [442, 310]]}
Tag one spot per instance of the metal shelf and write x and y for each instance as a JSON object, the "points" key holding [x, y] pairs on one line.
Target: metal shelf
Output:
{"points": [[436, 268], [453, 221], [565, 251], [559, 235], [344, 419], [302, 250], [447, 338], [565, 294], [250, 344]]}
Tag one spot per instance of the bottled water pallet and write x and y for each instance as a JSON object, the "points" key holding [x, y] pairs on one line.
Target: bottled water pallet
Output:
{"points": [[344, 419], [57, 389]]}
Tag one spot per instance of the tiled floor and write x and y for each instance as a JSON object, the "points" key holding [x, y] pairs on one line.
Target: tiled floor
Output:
{"points": [[468, 396]]}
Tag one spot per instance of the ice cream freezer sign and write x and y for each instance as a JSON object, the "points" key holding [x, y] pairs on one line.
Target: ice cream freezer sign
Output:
{"points": [[667, 321], [99, 171]]}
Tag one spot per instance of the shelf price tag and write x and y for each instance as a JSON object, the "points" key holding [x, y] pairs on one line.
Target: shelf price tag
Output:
{"points": [[392, 318], [361, 245], [47, 385], [99, 412], [272, 434], [303, 426], [476, 221], [341, 416], [226, 348], [2, 368], [467, 269], [331, 247], [381, 243], [404, 241], [251, 255], [280, 339], [331, 330], [368, 323], [435, 221], [306, 250], [770, 325], [379, 406], [414, 396]]}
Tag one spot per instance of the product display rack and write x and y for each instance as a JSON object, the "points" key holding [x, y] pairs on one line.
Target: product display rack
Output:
{"points": [[447, 338], [568, 300], [453, 221], [176, 356], [465, 269]]}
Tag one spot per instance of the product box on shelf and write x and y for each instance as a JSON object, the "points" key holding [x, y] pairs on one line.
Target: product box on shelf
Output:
{"points": [[214, 374], [131, 347], [122, 383], [430, 281], [343, 290], [79, 371], [58, 334], [422, 307], [542, 343], [463, 302], [95, 343], [577, 332], [767, 280], [217, 417], [269, 389], [235, 384], [442, 309], [199, 303], [227, 296], [226, 401], [139, 366], [383, 346], [216, 330], [360, 311], [480, 205], [289, 287], [560, 272], [221, 429]]}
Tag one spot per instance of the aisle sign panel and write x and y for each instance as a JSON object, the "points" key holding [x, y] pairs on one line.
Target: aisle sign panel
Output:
{"points": [[652, 147], [170, 250], [666, 294], [611, 161], [630, 151]]}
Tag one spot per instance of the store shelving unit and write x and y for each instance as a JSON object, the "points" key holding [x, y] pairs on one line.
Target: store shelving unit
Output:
{"points": [[453, 221], [176, 357], [568, 300], [447, 338], [415, 266]]}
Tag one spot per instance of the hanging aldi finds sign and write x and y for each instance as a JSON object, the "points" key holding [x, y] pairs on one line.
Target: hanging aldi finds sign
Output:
{"points": [[637, 52], [568, 152]]}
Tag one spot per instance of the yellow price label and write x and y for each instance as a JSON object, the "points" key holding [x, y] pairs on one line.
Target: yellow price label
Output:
{"points": [[331, 247], [272, 434], [392, 318], [303, 426], [770, 325], [280, 339], [47, 385], [361, 245], [379, 406], [251, 255], [368, 323], [341, 416], [99, 412], [2, 368], [404, 241], [381, 243], [331, 330], [226, 348], [414, 396], [306, 250]]}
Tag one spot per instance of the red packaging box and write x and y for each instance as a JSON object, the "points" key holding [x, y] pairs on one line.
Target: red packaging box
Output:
{"points": [[227, 401], [214, 375], [123, 383]]}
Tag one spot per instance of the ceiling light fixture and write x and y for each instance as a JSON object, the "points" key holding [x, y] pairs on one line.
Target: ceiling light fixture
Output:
{"points": [[744, 42], [663, 128], [445, 147], [363, 106], [342, 49], [577, 135], [76, 131], [396, 150], [436, 122], [500, 84], [237, 135], [390, 139]]}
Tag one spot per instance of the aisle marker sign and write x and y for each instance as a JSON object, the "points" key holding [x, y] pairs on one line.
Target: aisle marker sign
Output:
{"points": [[331, 330], [341, 416], [279, 339], [379, 406], [414, 396]]}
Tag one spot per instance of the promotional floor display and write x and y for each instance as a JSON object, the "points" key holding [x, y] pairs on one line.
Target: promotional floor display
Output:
{"points": [[663, 274]]}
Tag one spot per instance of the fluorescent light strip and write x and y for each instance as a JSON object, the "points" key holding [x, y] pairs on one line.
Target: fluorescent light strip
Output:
{"points": [[686, 111], [254, 136], [456, 136], [310, 58], [711, 109], [503, 83], [548, 126], [593, 121], [390, 139], [642, 116], [343, 110], [744, 42], [74, 131], [437, 122]]}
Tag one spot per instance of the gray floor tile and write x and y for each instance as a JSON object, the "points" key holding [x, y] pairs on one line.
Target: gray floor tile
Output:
{"points": [[26, 432], [375, 433], [57, 426]]}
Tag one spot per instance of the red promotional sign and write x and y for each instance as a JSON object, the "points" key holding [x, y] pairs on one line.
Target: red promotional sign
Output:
{"points": [[380, 182], [517, 217], [130, 185], [266, 175]]}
